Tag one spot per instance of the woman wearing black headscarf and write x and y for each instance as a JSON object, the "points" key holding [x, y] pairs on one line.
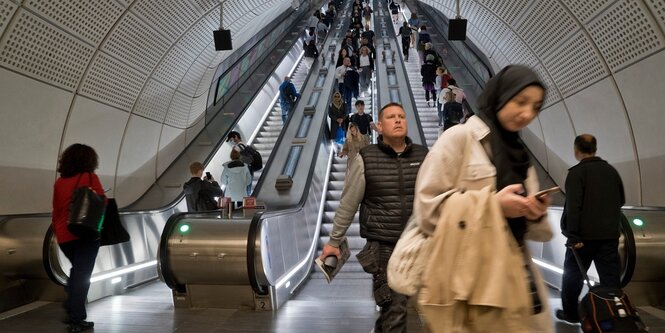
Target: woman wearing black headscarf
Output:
{"points": [[485, 156]]}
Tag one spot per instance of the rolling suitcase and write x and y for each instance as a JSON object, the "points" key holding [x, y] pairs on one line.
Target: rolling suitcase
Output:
{"points": [[605, 309]]}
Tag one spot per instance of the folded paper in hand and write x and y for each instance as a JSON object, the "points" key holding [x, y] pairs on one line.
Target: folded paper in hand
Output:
{"points": [[329, 266]]}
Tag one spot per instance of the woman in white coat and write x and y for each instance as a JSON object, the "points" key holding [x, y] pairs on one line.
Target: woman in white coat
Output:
{"points": [[235, 177], [486, 154]]}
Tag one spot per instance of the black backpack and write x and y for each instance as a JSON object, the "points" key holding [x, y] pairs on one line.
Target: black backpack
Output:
{"points": [[251, 157]]}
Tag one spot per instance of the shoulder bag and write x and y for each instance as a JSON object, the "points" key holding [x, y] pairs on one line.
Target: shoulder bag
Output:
{"points": [[86, 211], [407, 263]]}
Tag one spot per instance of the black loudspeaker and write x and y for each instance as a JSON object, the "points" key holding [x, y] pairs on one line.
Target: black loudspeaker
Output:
{"points": [[222, 40], [457, 29]]}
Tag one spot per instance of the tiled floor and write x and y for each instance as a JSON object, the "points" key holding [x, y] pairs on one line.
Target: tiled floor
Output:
{"points": [[147, 309]]}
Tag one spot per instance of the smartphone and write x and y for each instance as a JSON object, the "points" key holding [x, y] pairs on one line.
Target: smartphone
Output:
{"points": [[208, 175], [547, 191]]}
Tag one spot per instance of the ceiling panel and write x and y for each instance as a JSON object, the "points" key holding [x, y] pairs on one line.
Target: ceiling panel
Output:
{"points": [[169, 17], [113, 82], [36, 48], [90, 20], [636, 39], [575, 64]]}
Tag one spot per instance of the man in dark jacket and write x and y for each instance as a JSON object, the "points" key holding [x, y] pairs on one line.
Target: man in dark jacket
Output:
{"points": [[200, 194], [591, 221], [288, 95], [381, 180]]}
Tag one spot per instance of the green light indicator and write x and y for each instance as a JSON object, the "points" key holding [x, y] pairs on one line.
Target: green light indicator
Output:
{"points": [[184, 228], [638, 222]]}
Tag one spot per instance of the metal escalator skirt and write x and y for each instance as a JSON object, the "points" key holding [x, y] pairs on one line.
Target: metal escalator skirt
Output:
{"points": [[390, 58], [394, 95], [392, 78], [320, 81], [304, 126], [292, 160], [314, 97]]}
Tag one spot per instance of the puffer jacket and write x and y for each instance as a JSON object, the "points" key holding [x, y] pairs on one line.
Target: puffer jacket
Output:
{"points": [[390, 180]]}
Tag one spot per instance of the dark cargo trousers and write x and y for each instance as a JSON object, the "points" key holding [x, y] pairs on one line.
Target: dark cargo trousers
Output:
{"points": [[374, 259]]}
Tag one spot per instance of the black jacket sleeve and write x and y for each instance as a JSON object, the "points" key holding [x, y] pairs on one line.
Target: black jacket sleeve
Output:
{"points": [[571, 219]]}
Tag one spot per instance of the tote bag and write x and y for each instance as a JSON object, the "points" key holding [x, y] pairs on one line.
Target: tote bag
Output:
{"points": [[86, 211], [112, 230]]}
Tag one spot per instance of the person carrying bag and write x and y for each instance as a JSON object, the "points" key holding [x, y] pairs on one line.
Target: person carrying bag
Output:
{"points": [[78, 204]]}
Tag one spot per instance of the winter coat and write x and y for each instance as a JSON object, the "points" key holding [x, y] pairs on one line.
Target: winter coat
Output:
{"points": [[459, 162], [235, 177]]}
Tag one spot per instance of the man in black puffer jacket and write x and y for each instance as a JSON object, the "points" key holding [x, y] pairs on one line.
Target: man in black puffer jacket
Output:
{"points": [[381, 180]]}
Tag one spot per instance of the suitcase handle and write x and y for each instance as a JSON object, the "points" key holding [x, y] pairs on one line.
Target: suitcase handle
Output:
{"points": [[579, 264]]}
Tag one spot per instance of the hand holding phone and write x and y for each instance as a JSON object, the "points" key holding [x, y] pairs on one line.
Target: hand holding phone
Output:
{"points": [[543, 193], [208, 176]]}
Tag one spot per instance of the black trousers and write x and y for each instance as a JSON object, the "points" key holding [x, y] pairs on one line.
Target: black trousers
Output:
{"points": [[82, 255], [605, 254], [405, 47]]}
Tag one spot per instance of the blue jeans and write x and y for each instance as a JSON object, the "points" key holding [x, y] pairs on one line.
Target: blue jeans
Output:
{"points": [[286, 109], [249, 186], [82, 255]]}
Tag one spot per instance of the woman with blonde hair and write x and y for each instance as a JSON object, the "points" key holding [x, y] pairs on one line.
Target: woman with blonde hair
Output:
{"points": [[353, 143]]}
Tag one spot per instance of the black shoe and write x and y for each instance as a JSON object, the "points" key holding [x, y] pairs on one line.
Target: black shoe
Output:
{"points": [[81, 326], [563, 316]]}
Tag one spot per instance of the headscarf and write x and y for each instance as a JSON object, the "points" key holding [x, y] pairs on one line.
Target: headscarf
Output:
{"points": [[337, 102], [509, 155]]}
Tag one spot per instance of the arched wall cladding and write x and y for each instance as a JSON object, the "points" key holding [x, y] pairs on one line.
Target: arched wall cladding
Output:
{"points": [[603, 62], [130, 78]]}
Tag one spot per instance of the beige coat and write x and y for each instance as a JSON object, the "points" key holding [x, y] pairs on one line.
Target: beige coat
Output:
{"points": [[474, 283]]}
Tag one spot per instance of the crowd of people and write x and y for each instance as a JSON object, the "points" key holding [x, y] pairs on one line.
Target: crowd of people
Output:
{"points": [[477, 172]]}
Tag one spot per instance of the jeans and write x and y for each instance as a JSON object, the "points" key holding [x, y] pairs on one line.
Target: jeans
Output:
{"points": [[249, 186], [82, 255], [286, 109], [439, 112], [605, 254]]}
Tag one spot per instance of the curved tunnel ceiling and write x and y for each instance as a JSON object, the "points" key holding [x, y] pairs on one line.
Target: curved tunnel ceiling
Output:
{"points": [[131, 78], [603, 62]]}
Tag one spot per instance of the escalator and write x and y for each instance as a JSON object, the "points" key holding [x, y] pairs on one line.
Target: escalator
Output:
{"points": [[34, 268], [269, 131]]}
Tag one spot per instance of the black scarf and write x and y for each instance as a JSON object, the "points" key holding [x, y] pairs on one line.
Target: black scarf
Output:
{"points": [[509, 155]]}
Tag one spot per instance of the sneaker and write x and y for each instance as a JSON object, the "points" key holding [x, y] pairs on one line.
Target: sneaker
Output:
{"points": [[81, 326], [563, 316], [428, 104]]}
